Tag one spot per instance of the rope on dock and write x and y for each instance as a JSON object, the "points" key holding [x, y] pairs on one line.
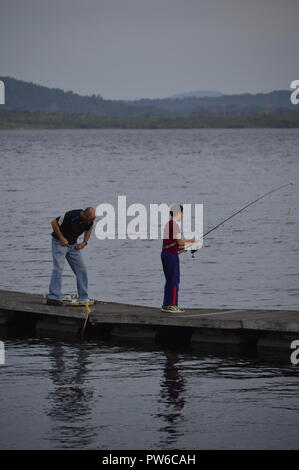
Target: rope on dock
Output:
{"points": [[88, 312]]}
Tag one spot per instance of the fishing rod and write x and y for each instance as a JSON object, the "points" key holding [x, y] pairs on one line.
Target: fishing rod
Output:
{"points": [[240, 210]]}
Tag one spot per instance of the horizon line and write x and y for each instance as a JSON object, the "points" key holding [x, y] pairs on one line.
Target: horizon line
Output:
{"points": [[172, 96]]}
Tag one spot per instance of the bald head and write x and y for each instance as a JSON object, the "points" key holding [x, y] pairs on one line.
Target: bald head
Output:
{"points": [[89, 214]]}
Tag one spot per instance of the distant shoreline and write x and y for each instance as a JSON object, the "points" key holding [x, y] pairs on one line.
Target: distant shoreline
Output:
{"points": [[37, 120]]}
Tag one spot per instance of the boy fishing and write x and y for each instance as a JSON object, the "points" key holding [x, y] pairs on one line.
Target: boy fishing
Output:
{"points": [[172, 245]]}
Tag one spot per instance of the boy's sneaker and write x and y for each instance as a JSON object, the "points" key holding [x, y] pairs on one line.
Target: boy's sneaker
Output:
{"points": [[177, 309], [171, 308], [165, 308]]}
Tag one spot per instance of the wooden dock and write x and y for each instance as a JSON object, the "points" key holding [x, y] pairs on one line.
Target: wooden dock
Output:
{"points": [[242, 327]]}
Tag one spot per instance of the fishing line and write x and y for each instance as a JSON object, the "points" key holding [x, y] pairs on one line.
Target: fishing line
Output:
{"points": [[239, 211]]}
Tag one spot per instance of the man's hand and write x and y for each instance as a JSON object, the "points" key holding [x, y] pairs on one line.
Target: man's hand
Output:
{"points": [[80, 246], [64, 242]]}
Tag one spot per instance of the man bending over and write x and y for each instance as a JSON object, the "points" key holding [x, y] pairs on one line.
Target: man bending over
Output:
{"points": [[66, 230]]}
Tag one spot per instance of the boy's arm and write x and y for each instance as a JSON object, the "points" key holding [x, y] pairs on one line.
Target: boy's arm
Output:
{"points": [[182, 242]]}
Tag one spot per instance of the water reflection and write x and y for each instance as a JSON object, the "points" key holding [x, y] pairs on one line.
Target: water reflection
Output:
{"points": [[98, 395], [172, 398], [70, 402]]}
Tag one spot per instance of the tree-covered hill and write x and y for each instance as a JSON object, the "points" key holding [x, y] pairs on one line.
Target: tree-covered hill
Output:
{"points": [[25, 96]]}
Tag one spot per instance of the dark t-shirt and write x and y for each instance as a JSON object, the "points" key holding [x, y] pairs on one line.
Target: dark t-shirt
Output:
{"points": [[171, 231], [72, 226]]}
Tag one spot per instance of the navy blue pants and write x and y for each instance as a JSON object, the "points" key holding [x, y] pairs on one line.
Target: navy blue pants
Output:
{"points": [[171, 268]]}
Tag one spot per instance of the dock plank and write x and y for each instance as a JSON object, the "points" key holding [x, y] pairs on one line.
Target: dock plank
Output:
{"points": [[118, 313]]}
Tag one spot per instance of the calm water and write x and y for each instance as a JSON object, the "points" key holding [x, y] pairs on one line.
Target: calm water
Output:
{"points": [[251, 262], [105, 396], [96, 395]]}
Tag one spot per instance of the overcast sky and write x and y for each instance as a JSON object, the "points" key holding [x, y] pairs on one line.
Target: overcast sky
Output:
{"points": [[151, 48]]}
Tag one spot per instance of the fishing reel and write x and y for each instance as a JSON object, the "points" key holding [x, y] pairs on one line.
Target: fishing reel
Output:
{"points": [[187, 251]]}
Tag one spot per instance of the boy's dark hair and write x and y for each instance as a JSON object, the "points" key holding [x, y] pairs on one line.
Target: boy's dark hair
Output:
{"points": [[175, 209]]}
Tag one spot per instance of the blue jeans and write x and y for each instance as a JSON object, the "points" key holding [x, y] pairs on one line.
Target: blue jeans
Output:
{"points": [[171, 268], [74, 258]]}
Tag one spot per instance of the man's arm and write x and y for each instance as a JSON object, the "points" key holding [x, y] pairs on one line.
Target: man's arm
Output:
{"points": [[87, 235], [55, 226]]}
